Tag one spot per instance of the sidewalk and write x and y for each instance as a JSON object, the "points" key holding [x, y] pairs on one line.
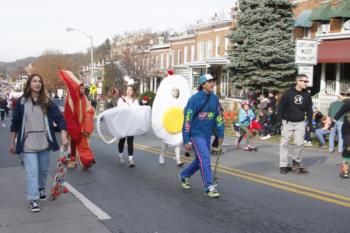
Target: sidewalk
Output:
{"points": [[65, 214]]}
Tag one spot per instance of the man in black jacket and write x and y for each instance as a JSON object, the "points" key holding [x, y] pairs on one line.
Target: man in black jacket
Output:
{"points": [[295, 104]]}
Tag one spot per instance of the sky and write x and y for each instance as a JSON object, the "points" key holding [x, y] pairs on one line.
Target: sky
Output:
{"points": [[29, 27]]}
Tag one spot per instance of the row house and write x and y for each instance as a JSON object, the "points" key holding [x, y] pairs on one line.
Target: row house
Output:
{"points": [[197, 52], [158, 62], [328, 22]]}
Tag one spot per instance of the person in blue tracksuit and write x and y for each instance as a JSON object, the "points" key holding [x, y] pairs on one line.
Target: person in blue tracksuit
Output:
{"points": [[202, 116]]}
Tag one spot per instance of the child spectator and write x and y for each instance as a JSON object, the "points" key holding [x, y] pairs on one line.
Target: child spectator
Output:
{"points": [[271, 125], [325, 129]]}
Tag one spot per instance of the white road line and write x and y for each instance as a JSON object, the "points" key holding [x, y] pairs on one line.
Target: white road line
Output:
{"points": [[94, 209]]}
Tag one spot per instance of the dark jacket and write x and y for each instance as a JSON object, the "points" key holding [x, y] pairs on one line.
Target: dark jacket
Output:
{"points": [[344, 111], [294, 105], [53, 115], [272, 119], [334, 109]]}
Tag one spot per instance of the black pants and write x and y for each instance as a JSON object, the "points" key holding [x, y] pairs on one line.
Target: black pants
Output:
{"points": [[215, 142], [130, 141], [269, 129], [2, 114], [346, 151]]}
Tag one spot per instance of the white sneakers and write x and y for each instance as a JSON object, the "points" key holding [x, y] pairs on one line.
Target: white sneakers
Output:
{"points": [[266, 137], [161, 159], [121, 159]]}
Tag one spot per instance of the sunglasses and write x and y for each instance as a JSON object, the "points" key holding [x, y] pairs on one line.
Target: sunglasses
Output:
{"points": [[305, 81]]}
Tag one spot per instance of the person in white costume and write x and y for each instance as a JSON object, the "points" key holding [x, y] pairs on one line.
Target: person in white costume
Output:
{"points": [[167, 113], [127, 101], [174, 102]]}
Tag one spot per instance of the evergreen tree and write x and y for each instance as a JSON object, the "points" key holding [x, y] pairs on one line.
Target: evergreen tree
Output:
{"points": [[262, 55]]}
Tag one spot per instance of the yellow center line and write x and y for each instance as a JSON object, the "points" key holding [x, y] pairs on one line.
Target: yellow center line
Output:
{"points": [[303, 190], [222, 167], [284, 185]]}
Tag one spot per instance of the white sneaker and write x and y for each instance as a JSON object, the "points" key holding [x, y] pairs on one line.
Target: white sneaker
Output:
{"points": [[121, 160], [161, 159], [131, 163], [266, 137], [179, 163]]}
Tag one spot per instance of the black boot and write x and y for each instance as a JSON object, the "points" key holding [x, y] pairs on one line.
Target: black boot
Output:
{"points": [[284, 170], [296, 164]]}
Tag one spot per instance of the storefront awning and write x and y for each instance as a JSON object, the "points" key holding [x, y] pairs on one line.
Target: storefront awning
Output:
{"points": [[341, 10], [321, 13], [303, 19], [334, 51]]}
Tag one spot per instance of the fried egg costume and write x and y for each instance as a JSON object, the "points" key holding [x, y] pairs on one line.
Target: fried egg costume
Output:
{"points": [[123, 121], [167, 113]]}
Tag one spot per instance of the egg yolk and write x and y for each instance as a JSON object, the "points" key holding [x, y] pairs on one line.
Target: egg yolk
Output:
{"points": [[173, 120]]}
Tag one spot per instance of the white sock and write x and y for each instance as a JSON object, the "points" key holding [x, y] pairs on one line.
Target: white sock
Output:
{"points": [[120, 155], [131, 157]]}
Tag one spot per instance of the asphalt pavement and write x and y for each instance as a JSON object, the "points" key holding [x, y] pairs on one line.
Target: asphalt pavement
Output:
{"points": [[149, 197]]}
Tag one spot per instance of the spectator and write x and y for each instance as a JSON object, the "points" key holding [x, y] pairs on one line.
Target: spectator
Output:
{"points": [[3, 107], [109, 104], [264, 103], [144, 100], [263, 118], [271, 124], [323, 130], [94, 103], [336, 130], [309, 130], [272, 100]]}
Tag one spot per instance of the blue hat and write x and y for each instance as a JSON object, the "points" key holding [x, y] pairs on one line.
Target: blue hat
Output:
{"points": [[204, 78]]}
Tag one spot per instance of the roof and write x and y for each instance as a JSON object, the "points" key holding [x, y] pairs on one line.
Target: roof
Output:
{"points": [[321, 13], [303, 19], [215, 24], [341, 10], [182, 37]]}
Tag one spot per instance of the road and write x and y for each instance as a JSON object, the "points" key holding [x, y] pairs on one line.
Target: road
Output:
{"points": [[254, 196]]}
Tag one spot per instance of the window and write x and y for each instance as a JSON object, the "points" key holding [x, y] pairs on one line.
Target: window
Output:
{"points": [[167, 60], [179, 57], [196, 81], [306, 33], [210, 49], [201, 50], [162, 61], [172, 58], [323, 28], [217, 45], [193, 52], [185, 54], [157, 61]]}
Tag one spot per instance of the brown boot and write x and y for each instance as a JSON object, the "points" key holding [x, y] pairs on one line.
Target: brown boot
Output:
{"points": [[345, 170]]}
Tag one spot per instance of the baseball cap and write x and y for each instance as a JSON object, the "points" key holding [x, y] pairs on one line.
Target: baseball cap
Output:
{"points": [[204, 78]]}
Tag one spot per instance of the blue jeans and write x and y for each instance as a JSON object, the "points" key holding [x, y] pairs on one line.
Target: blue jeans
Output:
{"points": [[320, 133], [37, 166], [201, 147], [336, 131]]}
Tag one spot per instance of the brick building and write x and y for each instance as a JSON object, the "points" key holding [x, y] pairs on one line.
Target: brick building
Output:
{"points": [[204, 51], [328, 22]]}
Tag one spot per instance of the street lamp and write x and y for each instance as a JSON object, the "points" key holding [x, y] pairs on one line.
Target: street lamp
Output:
{"points": [[70, 29]]}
